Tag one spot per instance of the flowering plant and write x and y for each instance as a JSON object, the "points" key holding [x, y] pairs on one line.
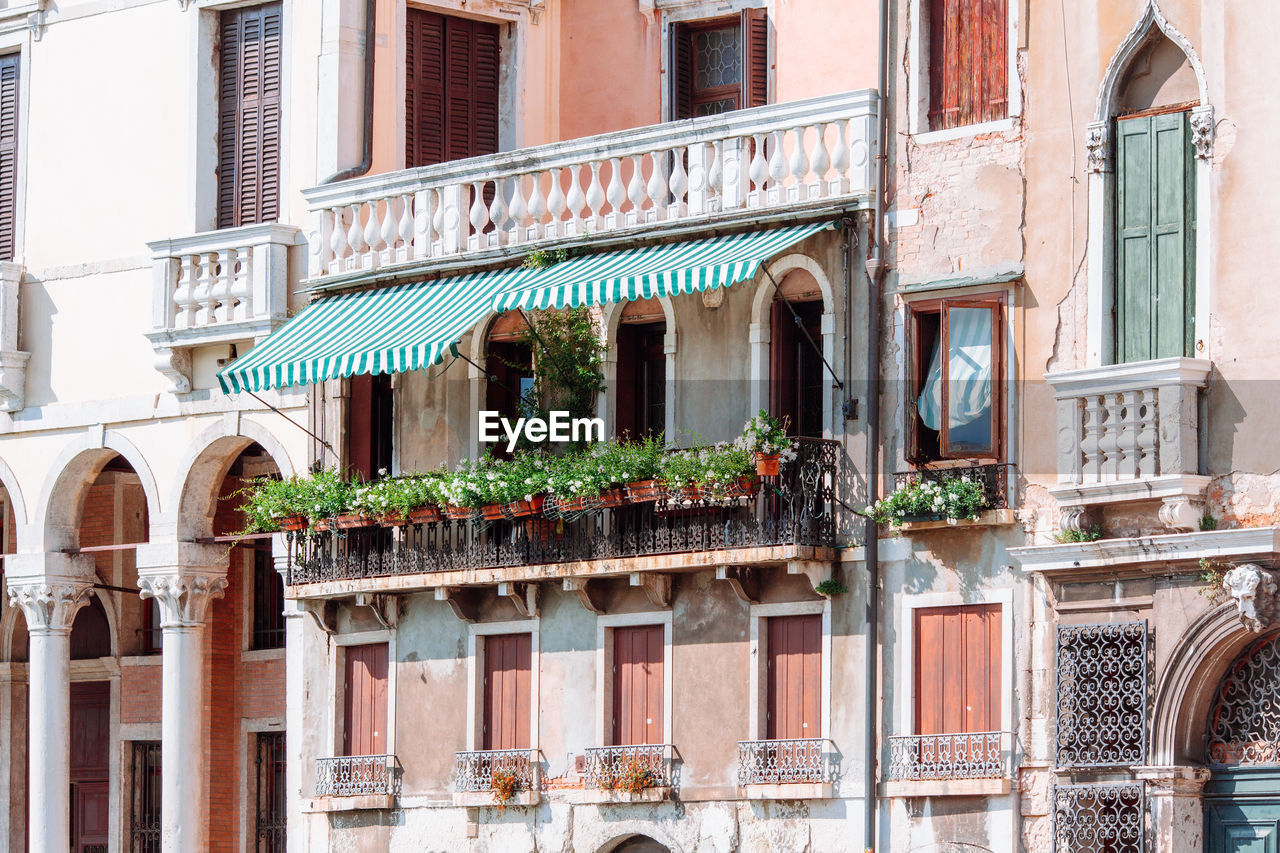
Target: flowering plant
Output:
{"points": [[269, 499], [955, 497], [504, 785], [766, 434], [631, 775]]}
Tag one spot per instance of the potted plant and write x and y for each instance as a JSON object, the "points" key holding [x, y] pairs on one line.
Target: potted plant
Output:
{"points": [[359, 511], [272, 503], [681, 473], [730, 472], [931, 500], [637, 468], [505, 785], [766, 438], [632, 776]]}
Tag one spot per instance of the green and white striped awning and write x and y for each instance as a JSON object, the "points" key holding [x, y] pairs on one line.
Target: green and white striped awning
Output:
{"points": [[389, 330], [663, 270]]}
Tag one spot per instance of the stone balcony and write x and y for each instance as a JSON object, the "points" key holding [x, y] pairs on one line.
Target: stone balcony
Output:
{"points": [[1129, 433], [219, 287], [778, 162]]}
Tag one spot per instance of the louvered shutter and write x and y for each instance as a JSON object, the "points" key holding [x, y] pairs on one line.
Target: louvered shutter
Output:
{"points": [[968, 62], [451, 99], [483, 89], [8, 154], [249, 116], [755, 58], [424, 89], [680, 71]]}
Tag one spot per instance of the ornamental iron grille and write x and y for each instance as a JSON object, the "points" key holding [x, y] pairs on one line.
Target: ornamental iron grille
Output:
{"points": [[1099, 818], [144, 798], [994, 478], [356, 775], [1244, 725], [475, 771], [973, 755], [1102, 689], [776, 762], [270, 816], [610, 767], [795, 508]]}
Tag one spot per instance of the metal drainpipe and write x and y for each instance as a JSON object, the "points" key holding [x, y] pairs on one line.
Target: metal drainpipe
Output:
{"points": [[875, 274], [370, 22]]}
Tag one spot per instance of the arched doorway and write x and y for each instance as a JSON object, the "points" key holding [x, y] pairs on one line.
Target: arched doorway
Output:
{"points": [[640, 844], [1242, 735]]}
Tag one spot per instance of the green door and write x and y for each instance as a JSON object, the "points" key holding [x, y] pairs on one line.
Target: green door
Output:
{"points": [[1242, 811], [1155, 245]]}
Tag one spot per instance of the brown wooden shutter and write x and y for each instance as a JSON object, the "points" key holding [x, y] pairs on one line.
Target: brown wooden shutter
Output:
{"points": [[992, 101], [794, 653], [637, 685], [249, 115], [968, 62], [365, 700], [680, 71], [452, 67], [8, 154], [507, 668], [755, 58], [370, 430], [957, 669]]}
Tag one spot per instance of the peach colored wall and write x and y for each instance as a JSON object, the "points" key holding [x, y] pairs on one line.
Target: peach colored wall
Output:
{"points": [[610, 78], [823, 47]]}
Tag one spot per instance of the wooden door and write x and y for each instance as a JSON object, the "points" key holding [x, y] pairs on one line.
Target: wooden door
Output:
{"points": [[365, 700], [90, 806], [794, 653], [637, 685], [507, 668], [90, 730], [957, 669]]}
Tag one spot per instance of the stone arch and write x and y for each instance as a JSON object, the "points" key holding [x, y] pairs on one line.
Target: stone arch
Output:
{"points": [[477, 379], [619, 834], [12, 622], [1151, 21], [204, 466], [11, 486], [1187, 687], [84, 620], [56, 525], [610, 320]]}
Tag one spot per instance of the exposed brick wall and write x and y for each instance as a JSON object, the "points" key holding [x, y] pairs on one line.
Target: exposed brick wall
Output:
{"points": [[140, 693]]}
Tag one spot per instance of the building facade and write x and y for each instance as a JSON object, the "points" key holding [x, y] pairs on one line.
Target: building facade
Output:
{"points": [[1008, 254]]}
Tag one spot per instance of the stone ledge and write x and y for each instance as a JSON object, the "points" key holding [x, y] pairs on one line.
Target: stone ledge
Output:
{"points": [[987, 518], [1158, 552], [484, 799], [365, 802], [1127, 491], [601, 797], [788, 791], [946, 788]]}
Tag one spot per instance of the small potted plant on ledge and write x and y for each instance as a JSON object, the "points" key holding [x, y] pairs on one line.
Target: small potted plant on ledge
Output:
{"points": [[952, 499], [766, 437], [631, 776], [505, 785], [272, 503]]}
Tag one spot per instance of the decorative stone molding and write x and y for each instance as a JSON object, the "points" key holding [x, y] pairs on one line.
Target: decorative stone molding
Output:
{"points": [[50, 607], [1253, 589], [1182, 513], [183, 598], [175, 365], [21, 16], [1203, 131], [13, 361], [1073, 518], [1096, 143], [1151, 21]]}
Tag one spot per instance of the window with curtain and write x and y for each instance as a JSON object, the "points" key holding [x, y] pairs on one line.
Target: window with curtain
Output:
{"points": [[957, 365]]}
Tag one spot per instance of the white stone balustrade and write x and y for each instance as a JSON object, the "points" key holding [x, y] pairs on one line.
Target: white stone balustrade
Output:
{"points": [[1130, 432], [780, 159], [218, 287]]}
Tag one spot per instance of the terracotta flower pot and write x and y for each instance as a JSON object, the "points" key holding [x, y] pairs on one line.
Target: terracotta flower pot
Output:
{"points": [[321, 525], [644, 491], [694, 492], [492, 512], [353, 520], [611, 498], [767, 464], [425, 514], [523, 509], [292, 523], [393, 519], [459, 513]]}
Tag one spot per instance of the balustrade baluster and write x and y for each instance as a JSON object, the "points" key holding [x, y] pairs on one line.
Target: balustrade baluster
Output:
{"points": [[390, 229], [575, 201], [1092, 416], [778, 168], [615, 193], [519, 210], [538, 206], [819, 161], [479, 214], [799, 165], [204, 288], [678, 182], [405, 229], [715, 173], [184, 292], [658, 183], [355, 238], [338, 239], [372, 235], [636, 190], [555, 205], [498, 213], [758, 171], [240, 290], [595, 196], [840, 158]]}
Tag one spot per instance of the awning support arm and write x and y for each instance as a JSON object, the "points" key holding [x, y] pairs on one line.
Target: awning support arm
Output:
{"points": [[324, 443], [491, 377], [803, 330]]}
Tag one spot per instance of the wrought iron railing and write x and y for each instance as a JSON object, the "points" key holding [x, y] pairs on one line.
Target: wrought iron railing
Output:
{"points": [[996, 479], [1099, 817], [475, 771], [796, 507], [972, 755], [611, 767], [356, 775], [774, 762], [1102, 694]]}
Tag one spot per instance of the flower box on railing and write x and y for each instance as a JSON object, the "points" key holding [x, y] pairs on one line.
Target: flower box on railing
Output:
{"points": [[641, 773]]}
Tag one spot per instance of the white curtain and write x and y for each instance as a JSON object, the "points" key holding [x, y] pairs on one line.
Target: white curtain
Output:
{"points": [[969, 363]]}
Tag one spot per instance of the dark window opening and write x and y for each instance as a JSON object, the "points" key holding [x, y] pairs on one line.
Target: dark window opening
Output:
{"points": [[370, 425], [152, 633], [249, 121], [144, 798], [796, 372], [955, 380], [641, 387], [268, 602], [91, 632], [720, 65], [968, 62], [271, 817], [508, 369]]}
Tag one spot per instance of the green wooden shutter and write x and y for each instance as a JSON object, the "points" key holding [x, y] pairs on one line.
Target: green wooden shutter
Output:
{"points": [[1155, 270]]}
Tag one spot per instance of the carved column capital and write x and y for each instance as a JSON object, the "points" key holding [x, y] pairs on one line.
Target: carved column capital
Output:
{"points": [[50, 607], [1203, 130], [183, 597], [1097, 144]]}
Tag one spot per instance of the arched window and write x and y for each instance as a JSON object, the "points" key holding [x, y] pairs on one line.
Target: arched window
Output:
{"points": [[91, 632], [796, 372], [640, 388]]}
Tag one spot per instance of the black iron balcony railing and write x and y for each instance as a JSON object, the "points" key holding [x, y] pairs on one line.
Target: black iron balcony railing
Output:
{"points": [[780, 762], [994, 477], [971, 755], [796, 507], [612, 767], [356, 775]]}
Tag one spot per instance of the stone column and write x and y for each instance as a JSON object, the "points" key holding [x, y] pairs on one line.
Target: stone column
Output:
{"points": [[183, 578], [1177, 810], [49, 603]]}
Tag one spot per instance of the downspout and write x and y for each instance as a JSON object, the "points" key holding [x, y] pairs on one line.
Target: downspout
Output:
{"points": [[370, 21], [875, 275]]}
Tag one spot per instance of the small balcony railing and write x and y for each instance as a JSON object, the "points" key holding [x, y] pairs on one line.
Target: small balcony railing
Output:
{"points": [[797, 507], [779, 762], [814, 153], [971, 755], [475, 771], [356, 775], [611, 767], [994, 477]]}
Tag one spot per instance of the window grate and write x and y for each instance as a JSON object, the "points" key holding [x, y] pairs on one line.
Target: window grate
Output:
{"points": [[144, 805], [1102, 686], [271, 816], [1098, 818]]}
